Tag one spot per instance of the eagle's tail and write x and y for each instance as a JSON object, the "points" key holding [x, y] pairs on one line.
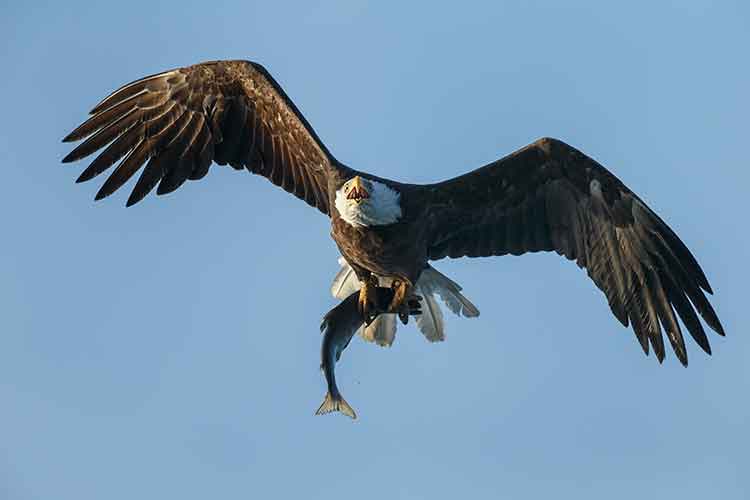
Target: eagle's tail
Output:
{"points": [[449, 291], [431, 283], [335, 403]]}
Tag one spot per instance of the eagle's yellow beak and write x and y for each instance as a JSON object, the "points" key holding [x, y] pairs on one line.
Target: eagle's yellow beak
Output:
{"points": [[357, 191]]}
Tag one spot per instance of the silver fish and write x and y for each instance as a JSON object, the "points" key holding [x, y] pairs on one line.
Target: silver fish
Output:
{"points": [[338, 327]]}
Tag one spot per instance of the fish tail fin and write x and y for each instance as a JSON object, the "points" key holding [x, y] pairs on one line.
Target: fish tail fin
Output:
{"points": [[335, 403]]}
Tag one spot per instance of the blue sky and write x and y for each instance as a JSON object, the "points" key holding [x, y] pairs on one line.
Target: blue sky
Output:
{"points": [[171, 350]]}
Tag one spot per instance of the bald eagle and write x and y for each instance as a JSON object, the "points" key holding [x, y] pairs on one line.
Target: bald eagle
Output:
{"points": [[547, 196]]}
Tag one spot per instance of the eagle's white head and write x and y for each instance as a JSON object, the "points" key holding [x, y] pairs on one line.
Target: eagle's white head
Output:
{"points": [[366, 202]]}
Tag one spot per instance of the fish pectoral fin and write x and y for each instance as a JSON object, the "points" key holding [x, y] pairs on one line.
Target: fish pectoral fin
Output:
{"points": [[331, 404]]}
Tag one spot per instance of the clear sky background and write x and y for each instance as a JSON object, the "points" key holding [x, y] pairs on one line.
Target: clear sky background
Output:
{"points": [[171, 350]]}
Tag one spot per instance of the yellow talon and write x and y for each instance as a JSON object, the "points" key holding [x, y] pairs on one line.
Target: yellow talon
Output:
{"points": [[367, 300], [401, 291]]}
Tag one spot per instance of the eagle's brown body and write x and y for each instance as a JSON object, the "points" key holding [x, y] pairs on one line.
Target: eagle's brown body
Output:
{"points": [[382, 250], [547, 196]]}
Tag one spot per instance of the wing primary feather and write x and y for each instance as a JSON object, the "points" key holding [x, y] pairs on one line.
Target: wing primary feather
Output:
{"points": [[653, 324], [660, 248], [103, 136], [175, 176], [203, 157], [112, 153], [687, 314], [150, 176], [638, 320], [683, 254], [125, 170], [103, 119], [698, 299], [668, 321], [179, 173]]}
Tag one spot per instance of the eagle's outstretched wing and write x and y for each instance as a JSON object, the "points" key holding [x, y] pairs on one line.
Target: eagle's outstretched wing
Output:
{"points": [[550, 196], [180, 121]]}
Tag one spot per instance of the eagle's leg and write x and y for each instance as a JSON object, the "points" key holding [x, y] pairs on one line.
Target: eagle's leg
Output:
{"points": [[402, 294], [367, 304]]}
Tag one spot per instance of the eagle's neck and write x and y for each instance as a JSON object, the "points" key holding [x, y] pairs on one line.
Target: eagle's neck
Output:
{"points": [[383, 207]]}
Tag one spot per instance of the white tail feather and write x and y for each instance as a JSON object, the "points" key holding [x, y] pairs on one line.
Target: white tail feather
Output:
{"points": [[382, 331], [450, 292], [430, 322], [345, 283]]}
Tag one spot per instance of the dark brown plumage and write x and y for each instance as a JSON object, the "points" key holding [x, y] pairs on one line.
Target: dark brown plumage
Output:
{"points": [[547, 196], [180, 121], [551, 197]]}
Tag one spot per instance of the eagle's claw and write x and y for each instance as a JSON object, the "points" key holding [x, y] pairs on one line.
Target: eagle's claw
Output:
{"points": [[402, 303], [367, 304], [403, 300]]}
